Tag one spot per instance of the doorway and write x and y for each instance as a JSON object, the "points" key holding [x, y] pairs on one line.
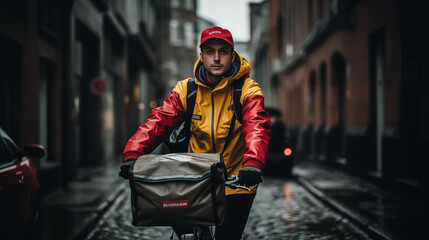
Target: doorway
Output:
{"points": [[87, 105], [339, 65], [410, 167], [374, 164], [10, 80]]}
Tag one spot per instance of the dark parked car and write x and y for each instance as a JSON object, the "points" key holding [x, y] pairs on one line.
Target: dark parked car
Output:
{"points": [[280, 157], [19, 189]]}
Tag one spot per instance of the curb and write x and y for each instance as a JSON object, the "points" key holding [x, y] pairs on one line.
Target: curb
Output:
{"points": [[368, 227], [90, 222]]}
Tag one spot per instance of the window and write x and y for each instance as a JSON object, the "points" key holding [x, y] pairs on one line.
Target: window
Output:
{"points": [[321, 8], [10, 84], [289, 50], [189, 35], [323, 91], [310, 13], [377, 108], [150, 19], [175, 3], [334, 6], [174, 33], [47, 70], [189, 5], [313, 96], [279, 34], [49, 16]]}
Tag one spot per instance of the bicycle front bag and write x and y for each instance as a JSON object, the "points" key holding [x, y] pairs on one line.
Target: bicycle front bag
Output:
{"points": [[178, 189]]}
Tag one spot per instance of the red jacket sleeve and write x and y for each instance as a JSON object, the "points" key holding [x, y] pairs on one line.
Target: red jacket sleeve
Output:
{"points": [[256, 130], [159, 124]]}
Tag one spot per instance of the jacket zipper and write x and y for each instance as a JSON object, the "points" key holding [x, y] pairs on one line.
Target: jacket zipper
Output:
{"points": [[213, 117]]}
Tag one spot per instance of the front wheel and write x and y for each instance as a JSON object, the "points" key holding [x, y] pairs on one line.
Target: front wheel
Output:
{"points": [[193, 232], [204, 232]]}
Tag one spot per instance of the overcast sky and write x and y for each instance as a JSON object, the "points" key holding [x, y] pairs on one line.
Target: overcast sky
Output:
{"points": [[230, 14]]}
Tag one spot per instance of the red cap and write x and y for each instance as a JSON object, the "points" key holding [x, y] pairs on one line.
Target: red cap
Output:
{"points": [[217, 32]]}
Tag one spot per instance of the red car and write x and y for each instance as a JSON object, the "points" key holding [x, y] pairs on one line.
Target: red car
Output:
{"points": [[19, 189]]}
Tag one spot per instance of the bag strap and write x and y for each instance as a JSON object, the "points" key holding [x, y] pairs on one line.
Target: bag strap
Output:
{"points": [[191, 95], [231, 127], [237, 87], [213, 193]]}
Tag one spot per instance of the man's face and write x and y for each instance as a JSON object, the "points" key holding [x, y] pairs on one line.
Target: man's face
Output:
{"points": [[217, 57]]}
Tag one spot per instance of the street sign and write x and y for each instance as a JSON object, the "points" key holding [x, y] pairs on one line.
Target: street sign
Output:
{"points": [[98, 86]]}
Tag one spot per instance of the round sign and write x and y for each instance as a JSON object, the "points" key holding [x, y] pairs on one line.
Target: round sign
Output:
{"points": [[98, 86]]}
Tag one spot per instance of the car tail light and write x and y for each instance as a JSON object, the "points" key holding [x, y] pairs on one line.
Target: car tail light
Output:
{"points": [[287, 151]]}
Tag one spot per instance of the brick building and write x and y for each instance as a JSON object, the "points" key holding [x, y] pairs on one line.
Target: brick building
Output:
{"points": [[79, 77], [32, 80], [352, 84]]}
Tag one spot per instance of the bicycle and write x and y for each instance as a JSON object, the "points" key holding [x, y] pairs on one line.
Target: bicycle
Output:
{"points": [[208, 174], [204, 232]]}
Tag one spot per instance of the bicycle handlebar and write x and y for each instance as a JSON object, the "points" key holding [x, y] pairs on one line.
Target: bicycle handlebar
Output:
{"points": [[232, 182]]}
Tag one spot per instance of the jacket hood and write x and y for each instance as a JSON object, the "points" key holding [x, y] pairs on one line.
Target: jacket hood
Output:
{"points": [[239, 68]]}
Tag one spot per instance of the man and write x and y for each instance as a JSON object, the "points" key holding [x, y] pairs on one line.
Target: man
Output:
{"points": [[219, 65]]}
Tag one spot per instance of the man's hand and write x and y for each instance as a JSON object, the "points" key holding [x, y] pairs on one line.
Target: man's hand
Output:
{"points": [[125, 168], [249, 176]]}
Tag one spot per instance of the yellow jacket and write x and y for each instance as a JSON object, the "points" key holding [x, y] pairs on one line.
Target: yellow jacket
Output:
{"points": [[211, 121]]}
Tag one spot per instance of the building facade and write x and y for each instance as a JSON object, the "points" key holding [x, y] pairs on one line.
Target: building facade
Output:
{"points": [[79, 77], [352, 84], [183, 39], [258, 50]]}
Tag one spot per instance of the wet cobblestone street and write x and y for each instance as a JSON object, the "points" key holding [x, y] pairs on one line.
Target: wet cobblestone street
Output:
{"points": [[285, 210], [282, 210]]}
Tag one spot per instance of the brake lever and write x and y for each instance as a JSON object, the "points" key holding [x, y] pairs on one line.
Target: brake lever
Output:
{"points": [[232, 182]]}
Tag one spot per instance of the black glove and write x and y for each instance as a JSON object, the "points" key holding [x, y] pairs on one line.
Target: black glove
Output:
{"points": [[249, 176], [125, 168]]}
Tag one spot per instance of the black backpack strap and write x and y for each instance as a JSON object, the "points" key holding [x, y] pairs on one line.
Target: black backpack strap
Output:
{"points": [[191, 95], [236, 95], [237, 85], [231, 127]]}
